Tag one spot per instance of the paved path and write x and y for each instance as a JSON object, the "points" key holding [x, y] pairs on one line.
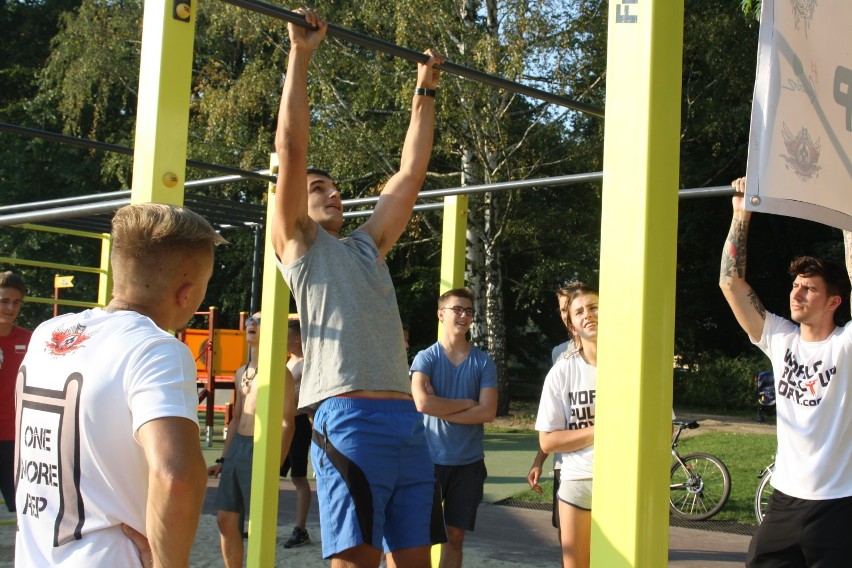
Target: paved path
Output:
{"points": [[515, 537], [510, 537]]}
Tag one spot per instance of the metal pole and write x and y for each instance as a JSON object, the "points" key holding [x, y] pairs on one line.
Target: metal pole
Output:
{"points": [[52, 203], [693, 193], [257, 259], [85, 143], [110, 206], [416, 56], [63, 213]]}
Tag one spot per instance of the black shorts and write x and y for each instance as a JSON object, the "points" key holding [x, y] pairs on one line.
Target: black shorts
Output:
{"points": [[556, 480], [7, 473], [461, 489], [300, 447], [799, 533]]}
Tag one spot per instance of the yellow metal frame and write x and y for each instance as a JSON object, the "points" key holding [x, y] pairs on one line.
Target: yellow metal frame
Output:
{"points": [[453, 249], [162, 118], [275, 303], [453, 246], [104, 272], [638, 261]]}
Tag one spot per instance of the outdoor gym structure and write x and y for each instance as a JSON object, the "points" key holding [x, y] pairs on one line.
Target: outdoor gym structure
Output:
{"points": [[638, 246]]}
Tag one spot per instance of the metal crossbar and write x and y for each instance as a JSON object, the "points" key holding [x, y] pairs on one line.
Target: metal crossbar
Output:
{"points": [[86, 143], [416, 56]]}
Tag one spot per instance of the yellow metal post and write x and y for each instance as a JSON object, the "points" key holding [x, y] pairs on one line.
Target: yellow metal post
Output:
{"points": [[274, 304], [638, 259], [165, 73], [453, 243], [453, 248], [105, 276]]}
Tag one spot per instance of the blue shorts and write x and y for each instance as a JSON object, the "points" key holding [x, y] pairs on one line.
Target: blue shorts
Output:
{"points": [[375, 478]]}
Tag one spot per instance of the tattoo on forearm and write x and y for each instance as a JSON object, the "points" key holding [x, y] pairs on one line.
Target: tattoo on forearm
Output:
{"points": [[734, 253], [756, 304]]}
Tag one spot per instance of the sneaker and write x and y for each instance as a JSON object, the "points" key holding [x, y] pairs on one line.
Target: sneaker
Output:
{"points": [[298, 538]]}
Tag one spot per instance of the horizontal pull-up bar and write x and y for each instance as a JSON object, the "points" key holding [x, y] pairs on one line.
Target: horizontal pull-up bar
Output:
{"points": [[94, 144], [416, 56], [694, 193], [486, 187]]}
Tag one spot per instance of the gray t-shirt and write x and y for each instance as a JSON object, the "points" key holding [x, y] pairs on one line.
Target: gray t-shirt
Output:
{"points": [[351, 329]]}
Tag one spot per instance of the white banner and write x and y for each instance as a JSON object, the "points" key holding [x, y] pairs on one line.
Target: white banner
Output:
{"points": [[800, 146]]}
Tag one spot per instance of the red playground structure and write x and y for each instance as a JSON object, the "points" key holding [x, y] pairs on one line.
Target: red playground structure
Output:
{"points": [[219, 353]]}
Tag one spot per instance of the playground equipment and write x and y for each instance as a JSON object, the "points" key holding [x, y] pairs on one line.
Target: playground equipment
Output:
{"points": [[640, 178], [103, 271], [219, 353]]}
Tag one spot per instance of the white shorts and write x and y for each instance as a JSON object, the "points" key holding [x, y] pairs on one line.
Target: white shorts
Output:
{"points": [[576, 492]]}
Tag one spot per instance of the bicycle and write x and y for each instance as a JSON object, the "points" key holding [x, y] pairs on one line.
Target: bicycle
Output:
{"points": [[764, 492], [700, 482]]}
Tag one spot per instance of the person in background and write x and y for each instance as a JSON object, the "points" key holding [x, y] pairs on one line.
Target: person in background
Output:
{"points": [[534, 474], [233, 498], [566, 424], [296, 463], [455, 387], [106, 408], [13, 346]]}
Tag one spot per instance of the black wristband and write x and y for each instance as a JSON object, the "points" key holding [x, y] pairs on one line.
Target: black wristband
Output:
{"points": [[220, 460], [426, 92]]}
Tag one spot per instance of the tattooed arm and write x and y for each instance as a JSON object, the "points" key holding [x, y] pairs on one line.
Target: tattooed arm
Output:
{"points": [[745, 304]]}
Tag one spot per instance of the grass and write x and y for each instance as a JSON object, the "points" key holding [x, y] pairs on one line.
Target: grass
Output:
{"points": [[745, 455]]}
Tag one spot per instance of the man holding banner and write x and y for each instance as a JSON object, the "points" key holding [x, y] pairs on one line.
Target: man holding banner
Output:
{"points": [[808, 516], [799, 165]]}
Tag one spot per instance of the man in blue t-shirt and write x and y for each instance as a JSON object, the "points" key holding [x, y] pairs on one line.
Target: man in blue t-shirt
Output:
{"points": [[455, 386]]}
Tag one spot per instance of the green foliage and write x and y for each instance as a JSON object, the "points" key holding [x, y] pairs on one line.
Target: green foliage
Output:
{"points": [[717, 383], [751, 8]]}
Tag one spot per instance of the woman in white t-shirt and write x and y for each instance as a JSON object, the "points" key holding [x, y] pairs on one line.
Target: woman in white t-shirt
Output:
{"points": [[565, 421]]}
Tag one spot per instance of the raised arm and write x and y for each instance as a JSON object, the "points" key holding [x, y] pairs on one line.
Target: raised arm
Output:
{"points": [[176, 485], [292, 229], [399, 194], [745, 304]]}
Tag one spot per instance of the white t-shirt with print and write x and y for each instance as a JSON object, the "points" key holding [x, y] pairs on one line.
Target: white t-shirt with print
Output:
{"points": [[814, 410], [86, 385], [568, 403]]}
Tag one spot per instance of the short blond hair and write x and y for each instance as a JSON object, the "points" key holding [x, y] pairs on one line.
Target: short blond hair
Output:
{"points": [[151, 240]]}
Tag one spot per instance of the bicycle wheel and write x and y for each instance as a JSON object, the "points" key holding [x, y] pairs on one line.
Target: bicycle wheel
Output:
{"points": [[699, 488], [764, 492]]}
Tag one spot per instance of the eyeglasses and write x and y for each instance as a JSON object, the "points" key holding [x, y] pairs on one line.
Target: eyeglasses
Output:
{"points": [[458, 310], [253, 319]]}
